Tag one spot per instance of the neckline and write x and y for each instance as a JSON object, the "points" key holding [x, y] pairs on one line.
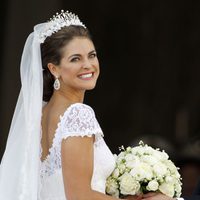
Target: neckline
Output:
{"points": [[52, 145], [55, 135]]}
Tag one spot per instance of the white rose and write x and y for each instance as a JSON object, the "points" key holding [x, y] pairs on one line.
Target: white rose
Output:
{"points": [[116, 194], [129, 157], [178, 189], [133, 162], [149, 150], [121, 154], [160, 155], [138, 150], [121, 168], [142, 171], [160, 179], [169, 179], [165, 156], [128, 185], [128, 149], [151, 160], [130, 164], [177, 175], [120, 157], [173, 169], [115, 173], [112, 187], [152, 185], [167, 189], [160, 169], [171, 166]]}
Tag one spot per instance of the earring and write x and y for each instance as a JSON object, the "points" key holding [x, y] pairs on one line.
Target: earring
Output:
{"points": [[56, 84]]}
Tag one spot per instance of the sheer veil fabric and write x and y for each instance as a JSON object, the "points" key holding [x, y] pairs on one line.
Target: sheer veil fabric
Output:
{"points": [[19, 169]]}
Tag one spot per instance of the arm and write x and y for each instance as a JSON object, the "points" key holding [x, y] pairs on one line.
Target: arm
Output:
{"points": [[158, 196], [77, 166], [77, 153]]}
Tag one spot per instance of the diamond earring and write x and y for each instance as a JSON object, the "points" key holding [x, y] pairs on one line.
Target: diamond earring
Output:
{"points": [[56, 84]]}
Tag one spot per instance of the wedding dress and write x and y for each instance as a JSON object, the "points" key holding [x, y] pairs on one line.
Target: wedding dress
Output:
{"points": [[78, 120], [23, 176]]}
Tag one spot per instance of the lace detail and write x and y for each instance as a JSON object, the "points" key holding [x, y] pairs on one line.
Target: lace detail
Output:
{"points": [[78, 120]]}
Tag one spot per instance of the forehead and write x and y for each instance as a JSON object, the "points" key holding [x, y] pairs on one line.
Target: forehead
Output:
{"points": [[78, 45]]}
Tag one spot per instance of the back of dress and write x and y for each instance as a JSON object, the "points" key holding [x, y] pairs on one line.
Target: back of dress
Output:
{"points": [[78, 120]]}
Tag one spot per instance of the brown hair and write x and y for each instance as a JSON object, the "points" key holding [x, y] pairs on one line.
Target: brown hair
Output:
{"points": [[51, 52]]}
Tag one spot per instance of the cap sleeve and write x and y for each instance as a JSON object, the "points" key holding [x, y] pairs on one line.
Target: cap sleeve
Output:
{"points": [[79, 120]]}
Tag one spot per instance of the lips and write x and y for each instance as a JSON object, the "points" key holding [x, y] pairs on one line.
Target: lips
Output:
{"points": [[86, 76]]}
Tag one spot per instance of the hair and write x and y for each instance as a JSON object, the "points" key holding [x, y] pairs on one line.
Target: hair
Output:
{"points": [[51, 52]]}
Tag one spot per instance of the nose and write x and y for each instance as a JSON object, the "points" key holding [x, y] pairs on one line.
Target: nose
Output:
{"points": [[87, 64]]}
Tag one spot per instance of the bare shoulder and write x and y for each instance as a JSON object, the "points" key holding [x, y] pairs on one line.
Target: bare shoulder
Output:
{"points": [[54, 111]]}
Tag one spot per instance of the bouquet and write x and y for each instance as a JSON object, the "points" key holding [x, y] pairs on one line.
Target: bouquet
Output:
{"points": [[143, 169]]}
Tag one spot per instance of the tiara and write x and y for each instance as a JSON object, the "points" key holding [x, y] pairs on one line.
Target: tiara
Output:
{"points": [[57, 22]]}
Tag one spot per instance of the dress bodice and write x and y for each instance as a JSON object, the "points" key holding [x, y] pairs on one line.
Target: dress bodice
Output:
{"points": [[78, 120]]}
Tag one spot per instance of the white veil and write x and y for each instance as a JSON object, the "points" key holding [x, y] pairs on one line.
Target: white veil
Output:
{"points": [[19, 169]]}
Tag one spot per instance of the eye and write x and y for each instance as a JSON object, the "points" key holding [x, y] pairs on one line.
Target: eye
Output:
{"points": [[92, 55], [75, 59]]}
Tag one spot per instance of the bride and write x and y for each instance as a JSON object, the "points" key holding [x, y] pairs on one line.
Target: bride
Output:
{"points": [[55, 150]]}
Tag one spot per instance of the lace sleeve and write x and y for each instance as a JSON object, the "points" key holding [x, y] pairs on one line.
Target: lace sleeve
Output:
{"points": [[79, 120]]}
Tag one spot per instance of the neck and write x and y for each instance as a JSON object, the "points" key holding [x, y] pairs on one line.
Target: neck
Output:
{"points": [[68, 97]]}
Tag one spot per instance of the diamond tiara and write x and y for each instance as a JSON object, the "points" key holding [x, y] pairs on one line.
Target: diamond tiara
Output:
{"points": [[57, 22]]}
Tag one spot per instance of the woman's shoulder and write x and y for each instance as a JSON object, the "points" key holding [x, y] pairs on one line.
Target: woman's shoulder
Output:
{"points": [[79, 105], [78, 108], [79, 119]]}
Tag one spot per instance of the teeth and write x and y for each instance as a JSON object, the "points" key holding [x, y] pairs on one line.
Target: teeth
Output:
{"points": [[86, 75]]}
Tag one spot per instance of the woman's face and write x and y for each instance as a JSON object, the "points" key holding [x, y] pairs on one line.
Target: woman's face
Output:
{"points": [[79, 66]]}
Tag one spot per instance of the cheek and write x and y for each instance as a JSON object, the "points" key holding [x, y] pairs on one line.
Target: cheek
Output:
{"points": [[96, 64], [65, 70], [67, 73], [70, 68], [98, 69]]}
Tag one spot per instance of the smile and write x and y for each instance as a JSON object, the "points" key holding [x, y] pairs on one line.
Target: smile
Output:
{"points": [[86, 76]]}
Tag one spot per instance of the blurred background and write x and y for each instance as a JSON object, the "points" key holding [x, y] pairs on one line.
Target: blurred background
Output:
{"points": [[149, 88]]}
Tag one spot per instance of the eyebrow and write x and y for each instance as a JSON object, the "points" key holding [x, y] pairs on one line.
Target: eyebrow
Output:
{"points": [[93, 51]]}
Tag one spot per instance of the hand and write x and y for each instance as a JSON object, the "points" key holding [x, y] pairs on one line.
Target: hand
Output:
{"points": [[156, 196], [133, 197]]}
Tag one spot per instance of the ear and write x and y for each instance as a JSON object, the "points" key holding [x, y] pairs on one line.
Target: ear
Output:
{"points": [[53, 69]]}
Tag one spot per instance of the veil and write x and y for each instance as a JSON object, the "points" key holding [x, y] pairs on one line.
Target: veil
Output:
{"points": [[19, 169]]}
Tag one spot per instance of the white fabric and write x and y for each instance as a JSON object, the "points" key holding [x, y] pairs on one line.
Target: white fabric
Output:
{"points": [[78, 120], [20, 163]]}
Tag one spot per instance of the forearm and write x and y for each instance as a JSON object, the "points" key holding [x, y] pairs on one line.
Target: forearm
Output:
{"points": [[100, 196], [90, 195], [158, 196]]}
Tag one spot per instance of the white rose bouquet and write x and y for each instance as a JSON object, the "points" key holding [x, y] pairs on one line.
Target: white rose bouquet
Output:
{"points": [[143, 169]]}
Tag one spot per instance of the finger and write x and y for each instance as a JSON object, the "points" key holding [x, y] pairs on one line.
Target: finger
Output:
{"points": [[139, 198], [148, 198], [133, 197], [149, 194]]}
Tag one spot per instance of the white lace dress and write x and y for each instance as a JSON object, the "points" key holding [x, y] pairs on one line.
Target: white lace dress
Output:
{"points": [[78, 120]]}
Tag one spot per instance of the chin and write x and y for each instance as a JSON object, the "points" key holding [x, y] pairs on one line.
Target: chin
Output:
{"points": [[90, 87]]}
